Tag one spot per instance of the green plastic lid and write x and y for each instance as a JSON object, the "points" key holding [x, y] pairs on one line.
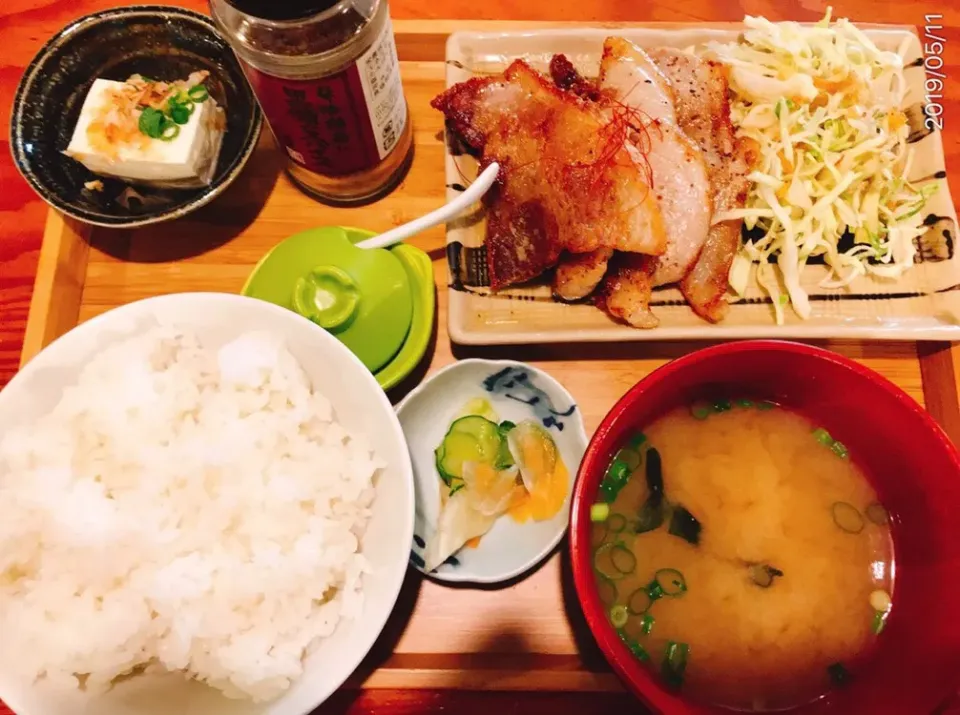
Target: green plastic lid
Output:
{"points": [[378, 302]]}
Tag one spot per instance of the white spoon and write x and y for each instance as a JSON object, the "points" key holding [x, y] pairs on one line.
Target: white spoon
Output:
{"points": [[443, 214]]}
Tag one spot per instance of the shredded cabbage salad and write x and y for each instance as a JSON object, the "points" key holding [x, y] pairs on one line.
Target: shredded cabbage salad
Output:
{"points": [[823, 104]]}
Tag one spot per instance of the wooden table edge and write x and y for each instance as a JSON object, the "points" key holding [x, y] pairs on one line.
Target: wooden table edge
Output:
{"points": [[58, 287]]}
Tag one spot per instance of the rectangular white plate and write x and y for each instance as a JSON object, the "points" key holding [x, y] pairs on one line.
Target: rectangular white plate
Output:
{"points": [[922, 305]]}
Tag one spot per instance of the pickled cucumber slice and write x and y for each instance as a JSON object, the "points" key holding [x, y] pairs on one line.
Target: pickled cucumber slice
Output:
{"points": [[470, 439]]}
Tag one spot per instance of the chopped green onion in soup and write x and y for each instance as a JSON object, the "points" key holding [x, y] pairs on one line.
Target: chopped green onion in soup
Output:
{"points": [[607, 590], [619, 616], [880, 600], [674, 664], [671, 581], [623, 559], [599, 512], [614, 560], [847, 517], [629, 457], [638, 651], [764, 574], [639, 601], [822, 436], [617, 523], [879, 622], [647, 623], [839, 449]]}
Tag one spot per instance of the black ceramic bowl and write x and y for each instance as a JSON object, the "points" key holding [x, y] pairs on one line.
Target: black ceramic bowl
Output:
{"points": [[165, 43]]}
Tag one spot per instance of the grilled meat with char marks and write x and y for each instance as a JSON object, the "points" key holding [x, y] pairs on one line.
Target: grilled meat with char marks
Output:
{"points": [[568, 181]]}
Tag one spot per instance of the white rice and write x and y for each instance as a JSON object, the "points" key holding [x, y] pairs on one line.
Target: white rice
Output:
{"points": [[185, 509]]}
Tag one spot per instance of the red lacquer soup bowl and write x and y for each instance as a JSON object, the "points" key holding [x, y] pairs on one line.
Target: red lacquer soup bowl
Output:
{"points": [[914, 468]]}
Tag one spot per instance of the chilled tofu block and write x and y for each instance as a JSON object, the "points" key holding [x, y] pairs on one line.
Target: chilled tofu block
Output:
{"points": [[110, 140]]}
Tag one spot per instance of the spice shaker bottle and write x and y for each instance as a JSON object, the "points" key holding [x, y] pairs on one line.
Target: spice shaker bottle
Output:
{"points": [[327, 77]]}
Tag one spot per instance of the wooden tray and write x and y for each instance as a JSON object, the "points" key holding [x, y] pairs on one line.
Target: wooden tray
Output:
{"points": [[529, 635]]}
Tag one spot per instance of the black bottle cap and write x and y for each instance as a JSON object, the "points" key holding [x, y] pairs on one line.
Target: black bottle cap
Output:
{"points": [[282, 10]]}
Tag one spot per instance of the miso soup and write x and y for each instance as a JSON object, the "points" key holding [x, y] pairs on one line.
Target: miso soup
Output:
{"points": [[742, 554]]}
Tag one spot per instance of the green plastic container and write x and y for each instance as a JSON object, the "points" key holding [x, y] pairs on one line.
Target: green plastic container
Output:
{"points": [[379, 302]]}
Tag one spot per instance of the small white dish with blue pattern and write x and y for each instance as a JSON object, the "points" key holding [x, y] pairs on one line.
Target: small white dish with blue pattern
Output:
{"points": [[517, 392]]}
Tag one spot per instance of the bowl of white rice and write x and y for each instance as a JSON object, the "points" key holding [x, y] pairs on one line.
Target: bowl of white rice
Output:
{"points": [[206, 508]]}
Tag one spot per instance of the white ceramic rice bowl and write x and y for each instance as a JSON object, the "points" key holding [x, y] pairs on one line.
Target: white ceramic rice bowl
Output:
{"points": [[360, 405]]}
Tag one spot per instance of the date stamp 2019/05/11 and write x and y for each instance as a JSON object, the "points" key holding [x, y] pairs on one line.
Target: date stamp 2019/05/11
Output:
{"points": [[933, 46]]}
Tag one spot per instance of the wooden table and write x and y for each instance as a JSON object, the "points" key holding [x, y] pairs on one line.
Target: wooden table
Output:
{"points": [[26, 24]]}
